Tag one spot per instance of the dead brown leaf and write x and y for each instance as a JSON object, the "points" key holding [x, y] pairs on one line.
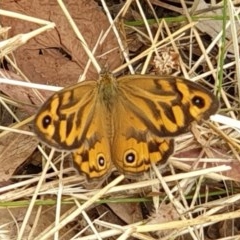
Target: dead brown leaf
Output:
{"points": [[14, 150], [234, 173], [165, 213], [57, 57], [128, 212]]}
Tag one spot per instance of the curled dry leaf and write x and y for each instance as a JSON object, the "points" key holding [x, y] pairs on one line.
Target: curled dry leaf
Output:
{"points": [[165, 213], [223, 229], [57, 57], [128, 212], [15, 148]]}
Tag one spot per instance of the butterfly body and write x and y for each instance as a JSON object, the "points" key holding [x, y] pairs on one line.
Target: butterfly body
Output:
{"points": [[130, 121]]}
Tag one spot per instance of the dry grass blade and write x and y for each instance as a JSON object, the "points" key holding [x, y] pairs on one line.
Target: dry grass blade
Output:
{"points": [[15, 42]]}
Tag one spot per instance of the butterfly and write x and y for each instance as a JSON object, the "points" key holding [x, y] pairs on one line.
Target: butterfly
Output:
{"points": [[129, 122]]}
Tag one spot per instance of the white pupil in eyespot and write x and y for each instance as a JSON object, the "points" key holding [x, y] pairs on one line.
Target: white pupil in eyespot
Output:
{"points": [[130, 158], [101, 161]]}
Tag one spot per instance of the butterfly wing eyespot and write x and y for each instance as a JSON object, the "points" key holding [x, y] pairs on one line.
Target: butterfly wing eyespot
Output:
{"points": [[198, 102], [130, 157], [139, 157], [46, 121], [101, 161], [94, 167]]}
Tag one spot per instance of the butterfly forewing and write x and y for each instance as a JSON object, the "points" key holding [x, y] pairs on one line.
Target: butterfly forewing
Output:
{"points": [[167, 105], [64, 118]]}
